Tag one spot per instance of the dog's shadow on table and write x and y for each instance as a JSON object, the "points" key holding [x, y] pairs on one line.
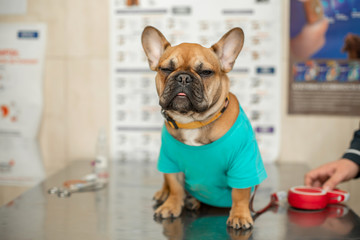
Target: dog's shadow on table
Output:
{"points": [[206, 223]]}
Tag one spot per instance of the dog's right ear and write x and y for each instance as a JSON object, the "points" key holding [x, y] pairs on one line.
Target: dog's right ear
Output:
{"points": [[154, 44]]}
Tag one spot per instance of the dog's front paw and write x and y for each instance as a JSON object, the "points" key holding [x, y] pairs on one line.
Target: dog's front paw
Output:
{"points": [[161, 195], [170, 209], [240, 221]]}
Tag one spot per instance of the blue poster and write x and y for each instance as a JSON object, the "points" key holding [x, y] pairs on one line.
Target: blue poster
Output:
{"points": [[325, 29]]}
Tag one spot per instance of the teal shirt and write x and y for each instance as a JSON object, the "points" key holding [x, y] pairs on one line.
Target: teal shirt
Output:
{"points": [[212, 170]]}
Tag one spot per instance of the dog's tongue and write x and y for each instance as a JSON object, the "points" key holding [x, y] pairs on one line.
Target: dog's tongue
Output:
{"points": [[181, 94]]}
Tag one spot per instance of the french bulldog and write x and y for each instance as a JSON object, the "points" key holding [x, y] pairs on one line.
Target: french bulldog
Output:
{"points": [[208, 150]]}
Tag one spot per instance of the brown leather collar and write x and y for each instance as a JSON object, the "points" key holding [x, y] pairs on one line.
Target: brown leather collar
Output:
{"points": [[196, 124]]}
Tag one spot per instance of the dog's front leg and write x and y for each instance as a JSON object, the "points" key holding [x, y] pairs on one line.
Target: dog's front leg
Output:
{"points": [[240, 216], [173, 205], [161, 195]]}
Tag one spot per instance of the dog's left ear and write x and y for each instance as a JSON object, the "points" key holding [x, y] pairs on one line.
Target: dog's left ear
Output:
{"points": [[154, 44], [229, 47]]}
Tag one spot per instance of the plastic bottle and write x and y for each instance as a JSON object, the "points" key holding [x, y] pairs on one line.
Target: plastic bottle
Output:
{"points": [[101, 158]]}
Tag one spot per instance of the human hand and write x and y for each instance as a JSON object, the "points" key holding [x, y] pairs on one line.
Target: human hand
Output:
{"points": [[310, 40], [331, 174]]}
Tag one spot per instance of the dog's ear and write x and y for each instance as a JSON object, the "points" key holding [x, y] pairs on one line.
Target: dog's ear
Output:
{"points": [[154, 44], [229, 47]]}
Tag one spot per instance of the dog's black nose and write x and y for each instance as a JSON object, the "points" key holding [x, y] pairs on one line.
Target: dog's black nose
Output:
{"points": [[184, 78]]}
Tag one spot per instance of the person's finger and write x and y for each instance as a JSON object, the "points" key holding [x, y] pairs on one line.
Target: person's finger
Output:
{"points": [[317, 177], [323, 25], [317, 183], [333, 181], [323, 178], [309, 179]]}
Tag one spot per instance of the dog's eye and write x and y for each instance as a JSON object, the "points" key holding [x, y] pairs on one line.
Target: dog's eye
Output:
{"points": [[206, 73], [166, 70]]}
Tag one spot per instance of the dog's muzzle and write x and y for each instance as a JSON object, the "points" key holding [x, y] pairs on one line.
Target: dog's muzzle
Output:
{"points": [[184, 79]]}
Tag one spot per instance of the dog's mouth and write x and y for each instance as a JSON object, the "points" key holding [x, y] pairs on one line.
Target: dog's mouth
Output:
{"points": [[179, 102], [182, 100]]}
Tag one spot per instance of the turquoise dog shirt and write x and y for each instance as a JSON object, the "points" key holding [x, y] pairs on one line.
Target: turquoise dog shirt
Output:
{"points": [[212, 170]]}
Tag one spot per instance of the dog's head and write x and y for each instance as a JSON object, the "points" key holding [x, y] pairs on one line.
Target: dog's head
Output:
{"points": [[191, 78]]}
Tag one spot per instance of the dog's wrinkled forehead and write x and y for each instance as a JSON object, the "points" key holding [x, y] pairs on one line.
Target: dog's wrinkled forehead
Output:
{"points": [[189, 56]]}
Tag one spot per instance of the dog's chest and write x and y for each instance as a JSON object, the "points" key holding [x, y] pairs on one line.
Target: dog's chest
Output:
{"points": [[191, 137]]}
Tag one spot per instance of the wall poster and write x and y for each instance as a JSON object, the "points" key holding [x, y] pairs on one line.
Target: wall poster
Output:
{"points": [[22, 50], [135, 114], [325, 57]]}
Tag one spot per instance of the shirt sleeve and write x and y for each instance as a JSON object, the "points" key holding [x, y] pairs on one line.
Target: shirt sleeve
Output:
{"points": [[246, 169], [353, 153], [165, 163]]}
